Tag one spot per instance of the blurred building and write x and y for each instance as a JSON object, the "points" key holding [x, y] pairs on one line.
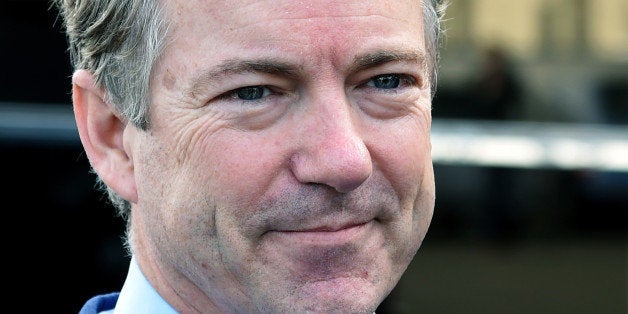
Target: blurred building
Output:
{"points": [[569, 53]]}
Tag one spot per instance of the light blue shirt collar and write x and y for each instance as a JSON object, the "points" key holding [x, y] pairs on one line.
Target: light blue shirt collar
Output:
{"points": [[138, 296]]}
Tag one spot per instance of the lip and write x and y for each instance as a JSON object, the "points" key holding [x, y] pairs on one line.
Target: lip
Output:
{"points": [[324, 234]]}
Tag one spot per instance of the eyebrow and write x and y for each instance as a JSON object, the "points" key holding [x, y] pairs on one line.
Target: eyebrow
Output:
{"points": [[381, 57], [235, 66], [275, 67]]}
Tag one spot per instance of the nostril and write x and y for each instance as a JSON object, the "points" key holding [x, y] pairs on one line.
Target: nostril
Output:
{"points": [[331, 148], [350, 184], [342, 167]]}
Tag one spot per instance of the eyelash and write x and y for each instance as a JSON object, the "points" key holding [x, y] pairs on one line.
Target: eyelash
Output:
{"points": [[402, 80], [237, 94]]}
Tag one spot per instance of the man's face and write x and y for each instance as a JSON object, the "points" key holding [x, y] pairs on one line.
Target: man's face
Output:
{"points": [[287, 167]]}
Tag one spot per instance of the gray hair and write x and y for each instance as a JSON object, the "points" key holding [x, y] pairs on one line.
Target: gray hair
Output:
{"points": [[433, 13], [121, 41]]}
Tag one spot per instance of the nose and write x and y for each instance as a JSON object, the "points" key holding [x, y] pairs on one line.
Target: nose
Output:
{"points": [[332, 149]]}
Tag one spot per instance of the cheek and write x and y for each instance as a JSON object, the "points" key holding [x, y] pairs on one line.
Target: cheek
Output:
{"points": [[403, 152], [238, 168]]}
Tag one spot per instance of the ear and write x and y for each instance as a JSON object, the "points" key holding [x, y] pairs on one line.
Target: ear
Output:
{"points": [[106, 137]]}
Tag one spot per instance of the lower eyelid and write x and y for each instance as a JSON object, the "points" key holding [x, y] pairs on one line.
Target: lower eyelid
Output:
{"points": [[405, 80], [233, 94], [409, 80]]}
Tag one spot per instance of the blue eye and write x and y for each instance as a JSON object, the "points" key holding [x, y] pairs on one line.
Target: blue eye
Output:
{"points": [[385, 81], [251, 93]]}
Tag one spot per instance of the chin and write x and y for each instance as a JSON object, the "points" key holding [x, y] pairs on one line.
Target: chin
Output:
{"points": [[342, 295], [334, 306]]}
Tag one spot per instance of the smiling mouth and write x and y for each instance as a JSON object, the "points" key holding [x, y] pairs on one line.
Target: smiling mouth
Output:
{"points": [[325, 234]]}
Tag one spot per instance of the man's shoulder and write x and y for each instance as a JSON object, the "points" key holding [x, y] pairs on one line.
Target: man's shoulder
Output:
{"points": [[100, 303]]}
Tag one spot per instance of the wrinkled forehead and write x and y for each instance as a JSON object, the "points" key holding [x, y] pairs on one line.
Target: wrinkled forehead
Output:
{"points": [[232, 15], [309, 34]]}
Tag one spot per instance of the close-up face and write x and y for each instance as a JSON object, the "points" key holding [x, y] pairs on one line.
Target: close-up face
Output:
{"points": [[287, 164]]}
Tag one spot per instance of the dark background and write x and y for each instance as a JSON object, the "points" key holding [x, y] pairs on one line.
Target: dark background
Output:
{"points": [[503, 240], [63, 242]]}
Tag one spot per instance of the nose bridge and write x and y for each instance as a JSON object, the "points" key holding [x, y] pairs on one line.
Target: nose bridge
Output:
{"points": [[333, 151], [339, 132]]}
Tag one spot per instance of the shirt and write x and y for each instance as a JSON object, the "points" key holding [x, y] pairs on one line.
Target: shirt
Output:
{"points": [[136, 297]]}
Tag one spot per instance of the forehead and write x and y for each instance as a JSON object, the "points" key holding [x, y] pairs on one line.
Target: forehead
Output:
{"points": [[279, 19], [206, 33], [237, 13]]}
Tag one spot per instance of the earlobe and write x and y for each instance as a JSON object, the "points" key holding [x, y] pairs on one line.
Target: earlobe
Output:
{"points": [[102, 134]]}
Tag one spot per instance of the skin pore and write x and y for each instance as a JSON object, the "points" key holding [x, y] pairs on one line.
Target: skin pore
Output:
{"points": [[287, 164]]}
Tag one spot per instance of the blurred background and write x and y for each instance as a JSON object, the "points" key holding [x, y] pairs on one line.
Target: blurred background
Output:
{"points": [[530, 150]]}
